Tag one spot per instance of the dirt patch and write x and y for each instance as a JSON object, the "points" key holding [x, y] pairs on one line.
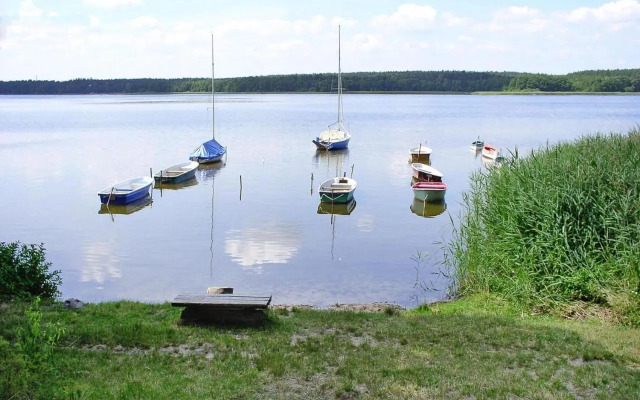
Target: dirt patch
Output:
{"points": [[368, 307]]}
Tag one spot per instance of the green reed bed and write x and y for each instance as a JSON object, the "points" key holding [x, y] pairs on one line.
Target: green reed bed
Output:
{"points": [[557, 226]]}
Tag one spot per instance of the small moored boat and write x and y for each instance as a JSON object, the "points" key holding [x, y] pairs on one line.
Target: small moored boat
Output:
{"points": [[126, 191], [177, 173], [210, 151], [477, 145], [423, 172], [491, 152], [336, 136], [337, 190], [429, 191], [420, 153]]}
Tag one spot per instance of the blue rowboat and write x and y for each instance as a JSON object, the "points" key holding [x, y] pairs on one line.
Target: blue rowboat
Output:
{"points": [[337, 190], [177, 173], [126, 191]]}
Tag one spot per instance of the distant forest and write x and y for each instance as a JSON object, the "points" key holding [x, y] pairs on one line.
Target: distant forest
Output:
{"points": [[626, 80]]}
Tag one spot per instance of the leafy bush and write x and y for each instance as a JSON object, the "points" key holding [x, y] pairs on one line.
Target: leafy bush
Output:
{"points": [[24, 272]]}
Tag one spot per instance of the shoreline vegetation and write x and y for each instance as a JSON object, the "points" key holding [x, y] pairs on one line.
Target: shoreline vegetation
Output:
{"points": [[546, 276], [401, 82]]}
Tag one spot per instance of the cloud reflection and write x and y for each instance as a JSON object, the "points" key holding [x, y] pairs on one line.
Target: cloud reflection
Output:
{"points": [[273, 243], [100, 263]]}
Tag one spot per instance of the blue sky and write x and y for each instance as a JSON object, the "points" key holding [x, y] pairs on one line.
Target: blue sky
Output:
{"points": [[67, 39]]}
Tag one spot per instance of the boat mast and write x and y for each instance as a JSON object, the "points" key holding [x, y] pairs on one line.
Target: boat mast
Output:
{"points": [[339, 84], [213, 114]]}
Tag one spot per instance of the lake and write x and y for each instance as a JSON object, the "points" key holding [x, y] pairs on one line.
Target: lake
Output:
{"points": [[254, 222]]}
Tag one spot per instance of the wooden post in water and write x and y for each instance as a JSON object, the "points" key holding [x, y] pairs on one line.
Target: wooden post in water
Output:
{"points": [[312, 184], [353, 165], [240, 187], [151, 173]]}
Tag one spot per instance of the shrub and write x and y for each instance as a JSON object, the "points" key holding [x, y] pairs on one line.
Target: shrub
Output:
{"points": [[24, 272]]}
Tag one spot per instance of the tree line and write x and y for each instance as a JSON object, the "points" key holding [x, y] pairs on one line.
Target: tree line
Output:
{"points": [[399, 81]]}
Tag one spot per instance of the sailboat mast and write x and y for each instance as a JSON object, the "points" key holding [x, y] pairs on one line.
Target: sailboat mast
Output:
{"points": [[213, 114], [339, 82]]}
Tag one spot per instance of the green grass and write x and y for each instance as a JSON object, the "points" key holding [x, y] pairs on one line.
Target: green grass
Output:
{"points": [[559, 226], [476, 348]]}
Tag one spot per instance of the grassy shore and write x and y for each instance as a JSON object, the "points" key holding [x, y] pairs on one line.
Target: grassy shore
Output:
{"points": [[477, 348]]}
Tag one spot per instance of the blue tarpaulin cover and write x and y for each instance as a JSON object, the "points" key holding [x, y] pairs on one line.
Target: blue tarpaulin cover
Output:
{"points": [[208, 150]]}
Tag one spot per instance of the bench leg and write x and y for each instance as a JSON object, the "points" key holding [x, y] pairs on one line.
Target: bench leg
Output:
{"points": [[213, 316]]}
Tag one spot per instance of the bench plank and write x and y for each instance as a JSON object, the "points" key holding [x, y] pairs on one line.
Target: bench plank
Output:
{"points": [[229, 301]]}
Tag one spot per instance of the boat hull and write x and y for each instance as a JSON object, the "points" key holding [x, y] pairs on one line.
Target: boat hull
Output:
{"points": [[423, 172], [177, 173], [430, 192], [490, 152], [420, 154], [337, 190], [207, 160], [336, 145], [421, 158], [335, 197], [127, 191]]}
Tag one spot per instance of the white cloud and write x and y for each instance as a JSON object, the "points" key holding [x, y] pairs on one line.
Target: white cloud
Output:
{"points": [[618, 15], [313, 25], [28, 9], [144, 22], [517, 20], [112, 3], [287, 45], [367, 42], [451, 20], [407, 16]]}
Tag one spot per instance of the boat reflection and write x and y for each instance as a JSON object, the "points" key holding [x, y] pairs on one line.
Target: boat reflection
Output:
{"points": [[490, 162], [337, 208], [334, 158], [176, 186], [207, 172], [126, 209], [427, 210]]}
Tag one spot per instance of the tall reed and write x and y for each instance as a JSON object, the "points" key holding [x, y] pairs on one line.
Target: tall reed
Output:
{"points": [[559, 225]]}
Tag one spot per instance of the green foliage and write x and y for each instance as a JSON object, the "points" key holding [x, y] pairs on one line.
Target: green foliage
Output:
{"points": [[405, 81], [24, 272], [540, 82], [14, 375], [36, 342], [619, 80], [30, 358], [627, 80], [558, 226]]}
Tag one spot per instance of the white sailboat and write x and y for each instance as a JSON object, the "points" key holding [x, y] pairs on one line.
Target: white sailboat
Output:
{"points": [[336, 136], [210, 151]]}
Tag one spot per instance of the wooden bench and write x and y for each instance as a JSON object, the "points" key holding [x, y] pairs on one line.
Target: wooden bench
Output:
{"points": [[222, 308]]}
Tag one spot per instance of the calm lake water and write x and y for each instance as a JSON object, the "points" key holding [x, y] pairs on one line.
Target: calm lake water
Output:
{"points": [[57, 152]]}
